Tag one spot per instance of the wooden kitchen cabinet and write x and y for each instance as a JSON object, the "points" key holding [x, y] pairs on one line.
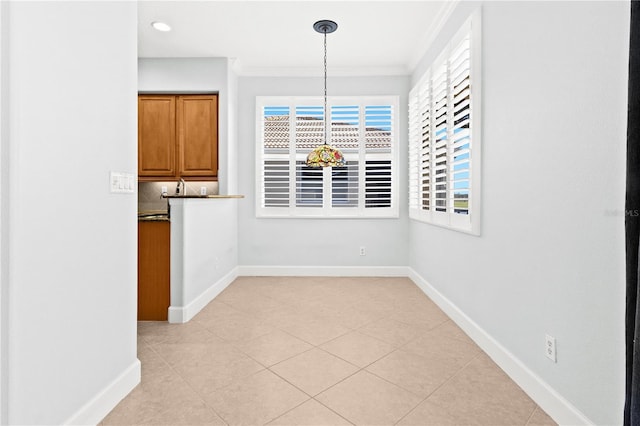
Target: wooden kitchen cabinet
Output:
{"points": [[177, 137], [154, 271], [197, 125], [157, 136]]}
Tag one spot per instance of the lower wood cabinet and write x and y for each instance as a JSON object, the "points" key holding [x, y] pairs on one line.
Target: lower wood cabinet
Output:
{"points": [[154, 273]]}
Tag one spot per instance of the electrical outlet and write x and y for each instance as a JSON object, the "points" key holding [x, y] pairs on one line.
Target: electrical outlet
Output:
{"points": [[203, 190], [550, 348], [363, 252], [163, 190]]}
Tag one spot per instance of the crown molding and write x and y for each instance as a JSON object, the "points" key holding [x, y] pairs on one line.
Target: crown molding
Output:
{"points": [[429, 37]]}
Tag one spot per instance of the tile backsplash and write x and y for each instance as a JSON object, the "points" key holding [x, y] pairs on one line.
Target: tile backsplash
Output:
{"points": [[149, 193]]}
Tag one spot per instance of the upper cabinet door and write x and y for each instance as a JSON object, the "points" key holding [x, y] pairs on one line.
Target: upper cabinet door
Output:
{"points": [[197, 120], [156, 135]]}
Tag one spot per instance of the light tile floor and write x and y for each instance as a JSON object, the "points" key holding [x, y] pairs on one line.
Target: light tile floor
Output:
{"points": [[319, 351]]}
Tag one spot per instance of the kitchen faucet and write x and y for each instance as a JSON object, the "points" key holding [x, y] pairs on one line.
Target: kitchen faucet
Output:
{"points": [[181, 181]]}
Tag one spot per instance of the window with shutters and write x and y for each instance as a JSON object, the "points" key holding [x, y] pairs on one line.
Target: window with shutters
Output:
{"points": [[444, 137], [363, 128]]}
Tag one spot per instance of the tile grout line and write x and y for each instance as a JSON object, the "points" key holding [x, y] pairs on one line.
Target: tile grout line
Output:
{"points": [[389, 314], [332, 410], [318, 305], [289, 410], [188, 383], [440, 386], [536, 408]]}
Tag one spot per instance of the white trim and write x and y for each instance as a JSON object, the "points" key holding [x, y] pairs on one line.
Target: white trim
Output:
{"points": [[176, 315], [429, 37], [561, 410], [182, 314], [325, 271], [100, 405]]}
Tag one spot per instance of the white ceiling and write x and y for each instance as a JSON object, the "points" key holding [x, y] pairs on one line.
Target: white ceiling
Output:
{"points": [[277, 37]]}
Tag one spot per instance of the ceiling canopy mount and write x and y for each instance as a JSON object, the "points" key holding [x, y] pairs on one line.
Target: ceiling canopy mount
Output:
{"points": [[325, 26]]}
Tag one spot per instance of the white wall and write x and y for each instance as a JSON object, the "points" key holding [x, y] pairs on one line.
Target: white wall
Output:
{"points": [[293, 242], [198, 75], [232, 131], [204, 253], [551, 255], [4, 205], [70, 275]]}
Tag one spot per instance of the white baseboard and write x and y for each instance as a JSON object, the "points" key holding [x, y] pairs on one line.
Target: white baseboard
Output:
{"points": [[100, 405], [182, 314], [561, 410], [329, 271]]}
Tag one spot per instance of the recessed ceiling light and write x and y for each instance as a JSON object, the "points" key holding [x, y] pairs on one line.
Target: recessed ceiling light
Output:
{"points": [[160, 26]]}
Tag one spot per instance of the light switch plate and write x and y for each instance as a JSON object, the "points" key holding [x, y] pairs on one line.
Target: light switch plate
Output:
{"points": [[122, 183]]}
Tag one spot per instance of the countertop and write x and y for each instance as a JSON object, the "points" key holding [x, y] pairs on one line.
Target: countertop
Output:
{"points": [[153, 216], [202, 196]]}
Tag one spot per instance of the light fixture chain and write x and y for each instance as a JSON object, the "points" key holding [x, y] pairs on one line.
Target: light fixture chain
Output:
{"points": [[326, 133], [325, 155]]}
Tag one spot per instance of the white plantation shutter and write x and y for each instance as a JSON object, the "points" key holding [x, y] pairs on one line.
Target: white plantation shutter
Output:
{"points": [[275, 173], [460, 90], [309, 127], [363, 128], [345, 127], [309, 185], [378, 179], [444, 138], [276, 183], [345, 135], [345, 184], [424, 144], [414, 157], [378, 183], [309, 133], [440, 149]]}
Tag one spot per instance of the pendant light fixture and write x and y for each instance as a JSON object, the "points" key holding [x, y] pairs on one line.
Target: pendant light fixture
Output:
{"points": [[325, 155]]}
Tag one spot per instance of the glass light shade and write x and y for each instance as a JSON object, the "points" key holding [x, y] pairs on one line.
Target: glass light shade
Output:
{"points": [[325, 156]]}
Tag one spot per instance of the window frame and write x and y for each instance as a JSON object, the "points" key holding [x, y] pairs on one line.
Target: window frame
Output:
{"points": [[467, 223], [327, 210]]}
